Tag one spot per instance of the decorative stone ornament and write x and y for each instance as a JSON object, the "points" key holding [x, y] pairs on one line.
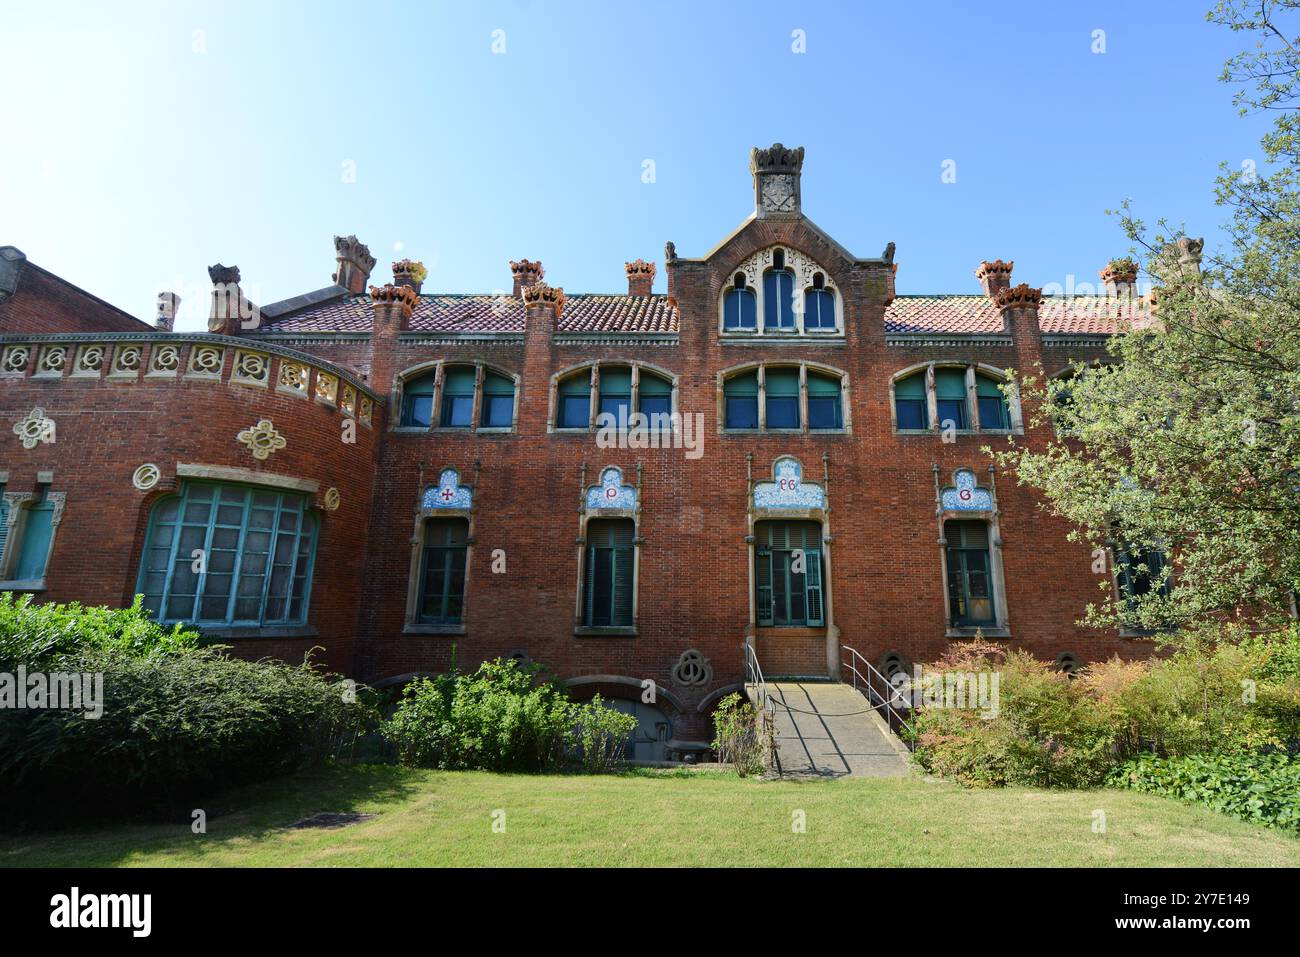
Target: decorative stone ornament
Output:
{"points": [[448, 493], [1019, 297], [146, 476], [776, 173], [788, 490], [262, 439], [540, 294], [332, 500], [34, 427], [965, 496], [692, 670], [611, 492]]}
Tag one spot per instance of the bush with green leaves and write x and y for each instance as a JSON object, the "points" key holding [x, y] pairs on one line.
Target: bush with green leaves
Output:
{"points": [[1261, 788], [503, 717], [36, 634], [741, 736], [174, 727]]}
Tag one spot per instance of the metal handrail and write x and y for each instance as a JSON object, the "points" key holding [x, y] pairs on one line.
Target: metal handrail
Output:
{"points": [[754, 676], [871, 692]]}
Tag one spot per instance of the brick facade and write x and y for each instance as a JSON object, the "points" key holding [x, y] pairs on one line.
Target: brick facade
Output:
{"points": [[886, 573]]}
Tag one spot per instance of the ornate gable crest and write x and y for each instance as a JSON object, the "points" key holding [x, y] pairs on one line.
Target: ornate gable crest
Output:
{"points": [[611, 492], [964, 495], [787, 488], [448, 493]]}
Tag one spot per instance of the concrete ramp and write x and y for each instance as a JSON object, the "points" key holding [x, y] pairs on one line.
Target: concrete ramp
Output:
{"points": [[825, 729]]}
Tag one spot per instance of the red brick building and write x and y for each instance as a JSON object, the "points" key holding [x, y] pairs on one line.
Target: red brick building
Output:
{"points": [[391, 473]]}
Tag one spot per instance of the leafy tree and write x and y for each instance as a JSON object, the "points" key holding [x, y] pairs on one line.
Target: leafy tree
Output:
{"points": [[1188, 441]]}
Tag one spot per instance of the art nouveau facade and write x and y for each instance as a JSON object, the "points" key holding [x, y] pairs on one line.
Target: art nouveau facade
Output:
{"points": [[388, 474]]}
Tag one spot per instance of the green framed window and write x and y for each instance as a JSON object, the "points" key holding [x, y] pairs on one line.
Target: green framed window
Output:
{"points": [[498, 401], [34, 543], [219, 554], [1140, 571], [782, 401], [819, 305], [970, 574], [994, 414], [458, 384], [615, 393], [417, 403], [950, 399], [911, 410], [607, 585], [654, 397], [825, 409], [740, 399], [4, 527], [574, 399], [788, 574], [739, 307], [441, 599]]}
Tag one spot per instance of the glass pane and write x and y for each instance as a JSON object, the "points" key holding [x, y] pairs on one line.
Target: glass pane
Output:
{"points": [[742, 412], [740, 310], [498, 410], [819, 310], [778, 305], [619, 406], [457, 411], [911, 413], [417, 411], [952, 414], [824, 413], [993, 413], [575, 411], [782, 412]]}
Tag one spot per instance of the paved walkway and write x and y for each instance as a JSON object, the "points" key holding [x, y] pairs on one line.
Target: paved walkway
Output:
{"points": [[828, 730]]}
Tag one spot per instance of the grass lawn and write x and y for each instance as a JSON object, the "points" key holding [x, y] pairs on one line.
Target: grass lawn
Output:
{"points": [[430, 818]]}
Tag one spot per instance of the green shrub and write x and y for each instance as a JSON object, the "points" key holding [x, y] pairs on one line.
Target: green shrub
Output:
{"points": [[35, 634], [1262, 788], [173, 728], [601, 734], [741, 736]]}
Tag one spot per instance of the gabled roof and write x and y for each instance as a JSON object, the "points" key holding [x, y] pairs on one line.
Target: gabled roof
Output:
{"points": [[485, 313], [976, 314]]}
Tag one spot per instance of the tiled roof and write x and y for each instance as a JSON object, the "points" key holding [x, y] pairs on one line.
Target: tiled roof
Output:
{"points": [[1086, 315], [467, 313]]}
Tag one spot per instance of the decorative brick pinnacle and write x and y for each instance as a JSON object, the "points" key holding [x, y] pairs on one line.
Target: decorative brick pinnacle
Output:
{"points": [[411, 269], [354, 250], [1117, 272], [526, 267], [540, 294], [639, 268], [996, 266], [1021, 296], [776, 159], [403, 296], [223, 274]]}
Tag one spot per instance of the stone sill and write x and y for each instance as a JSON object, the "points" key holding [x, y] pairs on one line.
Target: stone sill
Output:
{"points": [[970, 631], [789, 631], [417, 628], [588, 631], [253, 631], [27, 584]]}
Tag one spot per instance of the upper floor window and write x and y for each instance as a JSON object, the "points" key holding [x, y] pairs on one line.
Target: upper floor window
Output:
{"points": [[221, 554], [783, 398], [451, 399], [793, 294], [951, 398], [620, 391], [739, 307]]}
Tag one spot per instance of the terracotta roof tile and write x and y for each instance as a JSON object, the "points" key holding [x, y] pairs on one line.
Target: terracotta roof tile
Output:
{"points": [[1088, 315], [469, 313]]}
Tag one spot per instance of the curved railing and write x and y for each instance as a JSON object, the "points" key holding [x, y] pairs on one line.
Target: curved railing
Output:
{"points": [[882, 695]]}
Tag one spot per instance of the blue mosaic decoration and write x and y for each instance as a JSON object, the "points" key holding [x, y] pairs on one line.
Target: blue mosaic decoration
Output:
{"points": [[448, 493], [966, 496], [788, 489], [611, 492]]}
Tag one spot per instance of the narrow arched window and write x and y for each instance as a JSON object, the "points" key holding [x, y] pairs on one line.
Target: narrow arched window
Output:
{"points": [[574, 398], [740, 395], [911, 410], [950, 399], [778, 295], [825, 410], [498, 401], [655, 401], [739, 309], [457, 397], [616, 394], [819, 305], [994, 414], [442, 571], [782, 388], [417, 403]]}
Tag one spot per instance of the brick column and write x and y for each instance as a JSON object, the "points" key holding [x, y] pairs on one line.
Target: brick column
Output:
{"points": [[392, 306], [543, 306], [640, 277], [1019, 307]]}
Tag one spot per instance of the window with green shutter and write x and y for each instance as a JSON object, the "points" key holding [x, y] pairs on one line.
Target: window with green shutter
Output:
{"points": [[1141, 571], [609, 562], [442, 571], [417, 402], [994, 414], [740, 398], [4, 527], [615, 393], [457, 397], [574, 398], [950, 399], [655, 398], [970, 577], [782, 389], [825, 410], [911, 410], [229, 555], [788, 574], [33, 544], [498, 401]]}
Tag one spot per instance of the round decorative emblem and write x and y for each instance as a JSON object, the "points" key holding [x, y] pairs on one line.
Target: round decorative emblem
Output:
{"points": [[34, 427], [332, 499], [692, 670], [146, 476]]}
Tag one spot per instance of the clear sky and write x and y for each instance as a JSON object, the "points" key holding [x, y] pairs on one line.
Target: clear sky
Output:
{"points": [[141, 143]]}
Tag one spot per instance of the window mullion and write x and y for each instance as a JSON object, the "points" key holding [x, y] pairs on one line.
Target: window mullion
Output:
{"points": [[238, 566]]}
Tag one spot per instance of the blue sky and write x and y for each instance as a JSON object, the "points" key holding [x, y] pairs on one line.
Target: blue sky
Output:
{"points": [[145, 142]]}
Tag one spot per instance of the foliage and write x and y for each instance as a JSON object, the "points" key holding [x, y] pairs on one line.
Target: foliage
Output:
{"points": [[741, 736], [1261, 788], [502, 718], [173, 728], [1188, 440], [35, 634]]}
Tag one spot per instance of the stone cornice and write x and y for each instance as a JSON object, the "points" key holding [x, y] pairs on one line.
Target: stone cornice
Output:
{"points": [[943, 339]]}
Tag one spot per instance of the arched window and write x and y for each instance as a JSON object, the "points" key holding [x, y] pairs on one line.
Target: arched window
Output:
{"points": [[442, 572], [654, 398], [457, 397], [911, 410], [740, 394], [950, 399], [740, 311], [970, 575], [994, 415], [782, 387], [574, 411], [778, 295], [607, 591], [819, 305], [825, 409], [417, 402], [616, 393], [498, 401], [788, 574], [258, 545]]}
